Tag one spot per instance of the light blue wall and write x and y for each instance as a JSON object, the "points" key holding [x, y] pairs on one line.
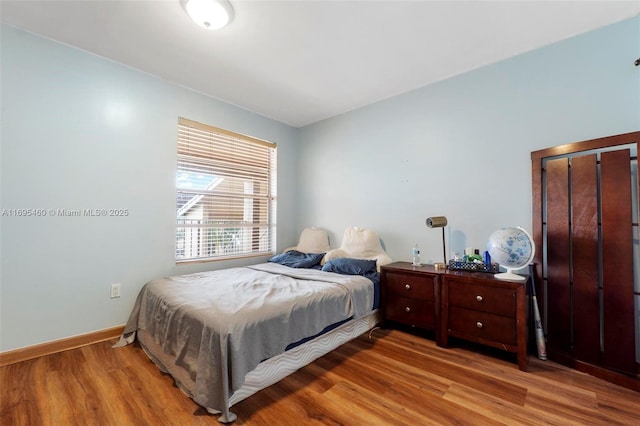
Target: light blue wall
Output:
{"points": [[81, 132], [461, 147]]}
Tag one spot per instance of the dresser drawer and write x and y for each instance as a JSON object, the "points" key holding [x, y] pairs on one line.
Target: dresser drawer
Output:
{"points": [[410, 286], [409, 311], [472, 325], [495, 300]]}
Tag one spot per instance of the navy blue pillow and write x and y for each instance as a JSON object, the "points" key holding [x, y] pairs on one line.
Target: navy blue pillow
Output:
{"points": [[347, 266], [297, 259]]}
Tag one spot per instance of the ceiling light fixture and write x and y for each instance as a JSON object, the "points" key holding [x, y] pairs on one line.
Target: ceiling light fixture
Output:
{"points": [[209, 14]]}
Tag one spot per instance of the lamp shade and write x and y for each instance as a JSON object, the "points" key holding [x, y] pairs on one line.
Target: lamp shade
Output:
{"points": [[436, 222], [209, 14]]}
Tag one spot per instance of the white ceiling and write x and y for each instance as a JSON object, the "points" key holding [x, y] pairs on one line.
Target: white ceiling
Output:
{"points": [[301, 61]]}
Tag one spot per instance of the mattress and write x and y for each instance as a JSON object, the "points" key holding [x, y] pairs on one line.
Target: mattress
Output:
{"points": [[211, 331], [271, 370]]}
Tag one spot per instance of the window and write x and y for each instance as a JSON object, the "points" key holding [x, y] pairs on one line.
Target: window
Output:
{"points": [[225, 194]]}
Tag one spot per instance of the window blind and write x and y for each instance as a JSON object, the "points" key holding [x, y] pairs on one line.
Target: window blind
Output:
{"points": [[225, 194]]}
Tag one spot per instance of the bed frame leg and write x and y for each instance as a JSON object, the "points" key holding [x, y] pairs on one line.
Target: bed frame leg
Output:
{"points": [[371, 332], [227, 417]]}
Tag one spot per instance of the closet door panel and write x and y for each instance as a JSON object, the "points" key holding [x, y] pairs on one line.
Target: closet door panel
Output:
{"points": [[584, 237], [597, 265], [558, 256], [617, 248]]}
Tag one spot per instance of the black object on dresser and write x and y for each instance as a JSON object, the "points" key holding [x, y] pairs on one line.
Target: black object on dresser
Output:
{"points": [[473, 306]]}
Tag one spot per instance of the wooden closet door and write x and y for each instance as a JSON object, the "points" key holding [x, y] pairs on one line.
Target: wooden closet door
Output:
{"points": [[584, 242], [617, 253], [575, 324], [584, 228], [558, 256]]}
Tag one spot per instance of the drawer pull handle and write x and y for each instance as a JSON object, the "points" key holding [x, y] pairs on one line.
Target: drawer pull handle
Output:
{"points": [[407, 286], [408, 309], [479, 298], [479, 324]]}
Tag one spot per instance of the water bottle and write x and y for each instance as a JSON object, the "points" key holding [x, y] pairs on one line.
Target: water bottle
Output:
{"points": [[416, 256]]}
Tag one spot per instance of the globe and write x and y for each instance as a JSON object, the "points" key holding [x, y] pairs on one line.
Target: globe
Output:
{"points": [[513, 248]]}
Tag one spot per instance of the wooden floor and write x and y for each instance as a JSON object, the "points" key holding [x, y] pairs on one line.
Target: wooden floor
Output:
{"points": [[397, 379]]}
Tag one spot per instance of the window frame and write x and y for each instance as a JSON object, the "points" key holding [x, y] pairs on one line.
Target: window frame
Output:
{"points": [[236, 172]]}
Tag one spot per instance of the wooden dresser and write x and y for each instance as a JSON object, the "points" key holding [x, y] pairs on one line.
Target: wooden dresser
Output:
{"points": [[410, 296], [473, 306], [480, 308]]}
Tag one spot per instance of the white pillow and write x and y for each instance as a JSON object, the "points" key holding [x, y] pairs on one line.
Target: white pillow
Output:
{"points": [[360, 243], [312, 240]]}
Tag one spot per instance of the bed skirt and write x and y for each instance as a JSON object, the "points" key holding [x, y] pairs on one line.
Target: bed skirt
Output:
{"points": [[269, 371]]}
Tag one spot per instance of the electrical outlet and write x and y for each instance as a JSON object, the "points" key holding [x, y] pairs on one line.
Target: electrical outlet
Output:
{"points": [[115, 290]]}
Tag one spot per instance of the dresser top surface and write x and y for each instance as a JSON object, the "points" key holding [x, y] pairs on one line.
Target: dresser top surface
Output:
{"points": [[431, 270]]}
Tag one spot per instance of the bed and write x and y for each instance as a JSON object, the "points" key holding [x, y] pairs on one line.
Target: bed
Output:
{"points": [[224, 335]]}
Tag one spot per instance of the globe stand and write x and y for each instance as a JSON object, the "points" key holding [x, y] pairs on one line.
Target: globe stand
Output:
{"points": [[509, 275]]}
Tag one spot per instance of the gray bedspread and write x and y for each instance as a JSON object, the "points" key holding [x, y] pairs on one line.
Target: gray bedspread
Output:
{"points": [[220, 325]]}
